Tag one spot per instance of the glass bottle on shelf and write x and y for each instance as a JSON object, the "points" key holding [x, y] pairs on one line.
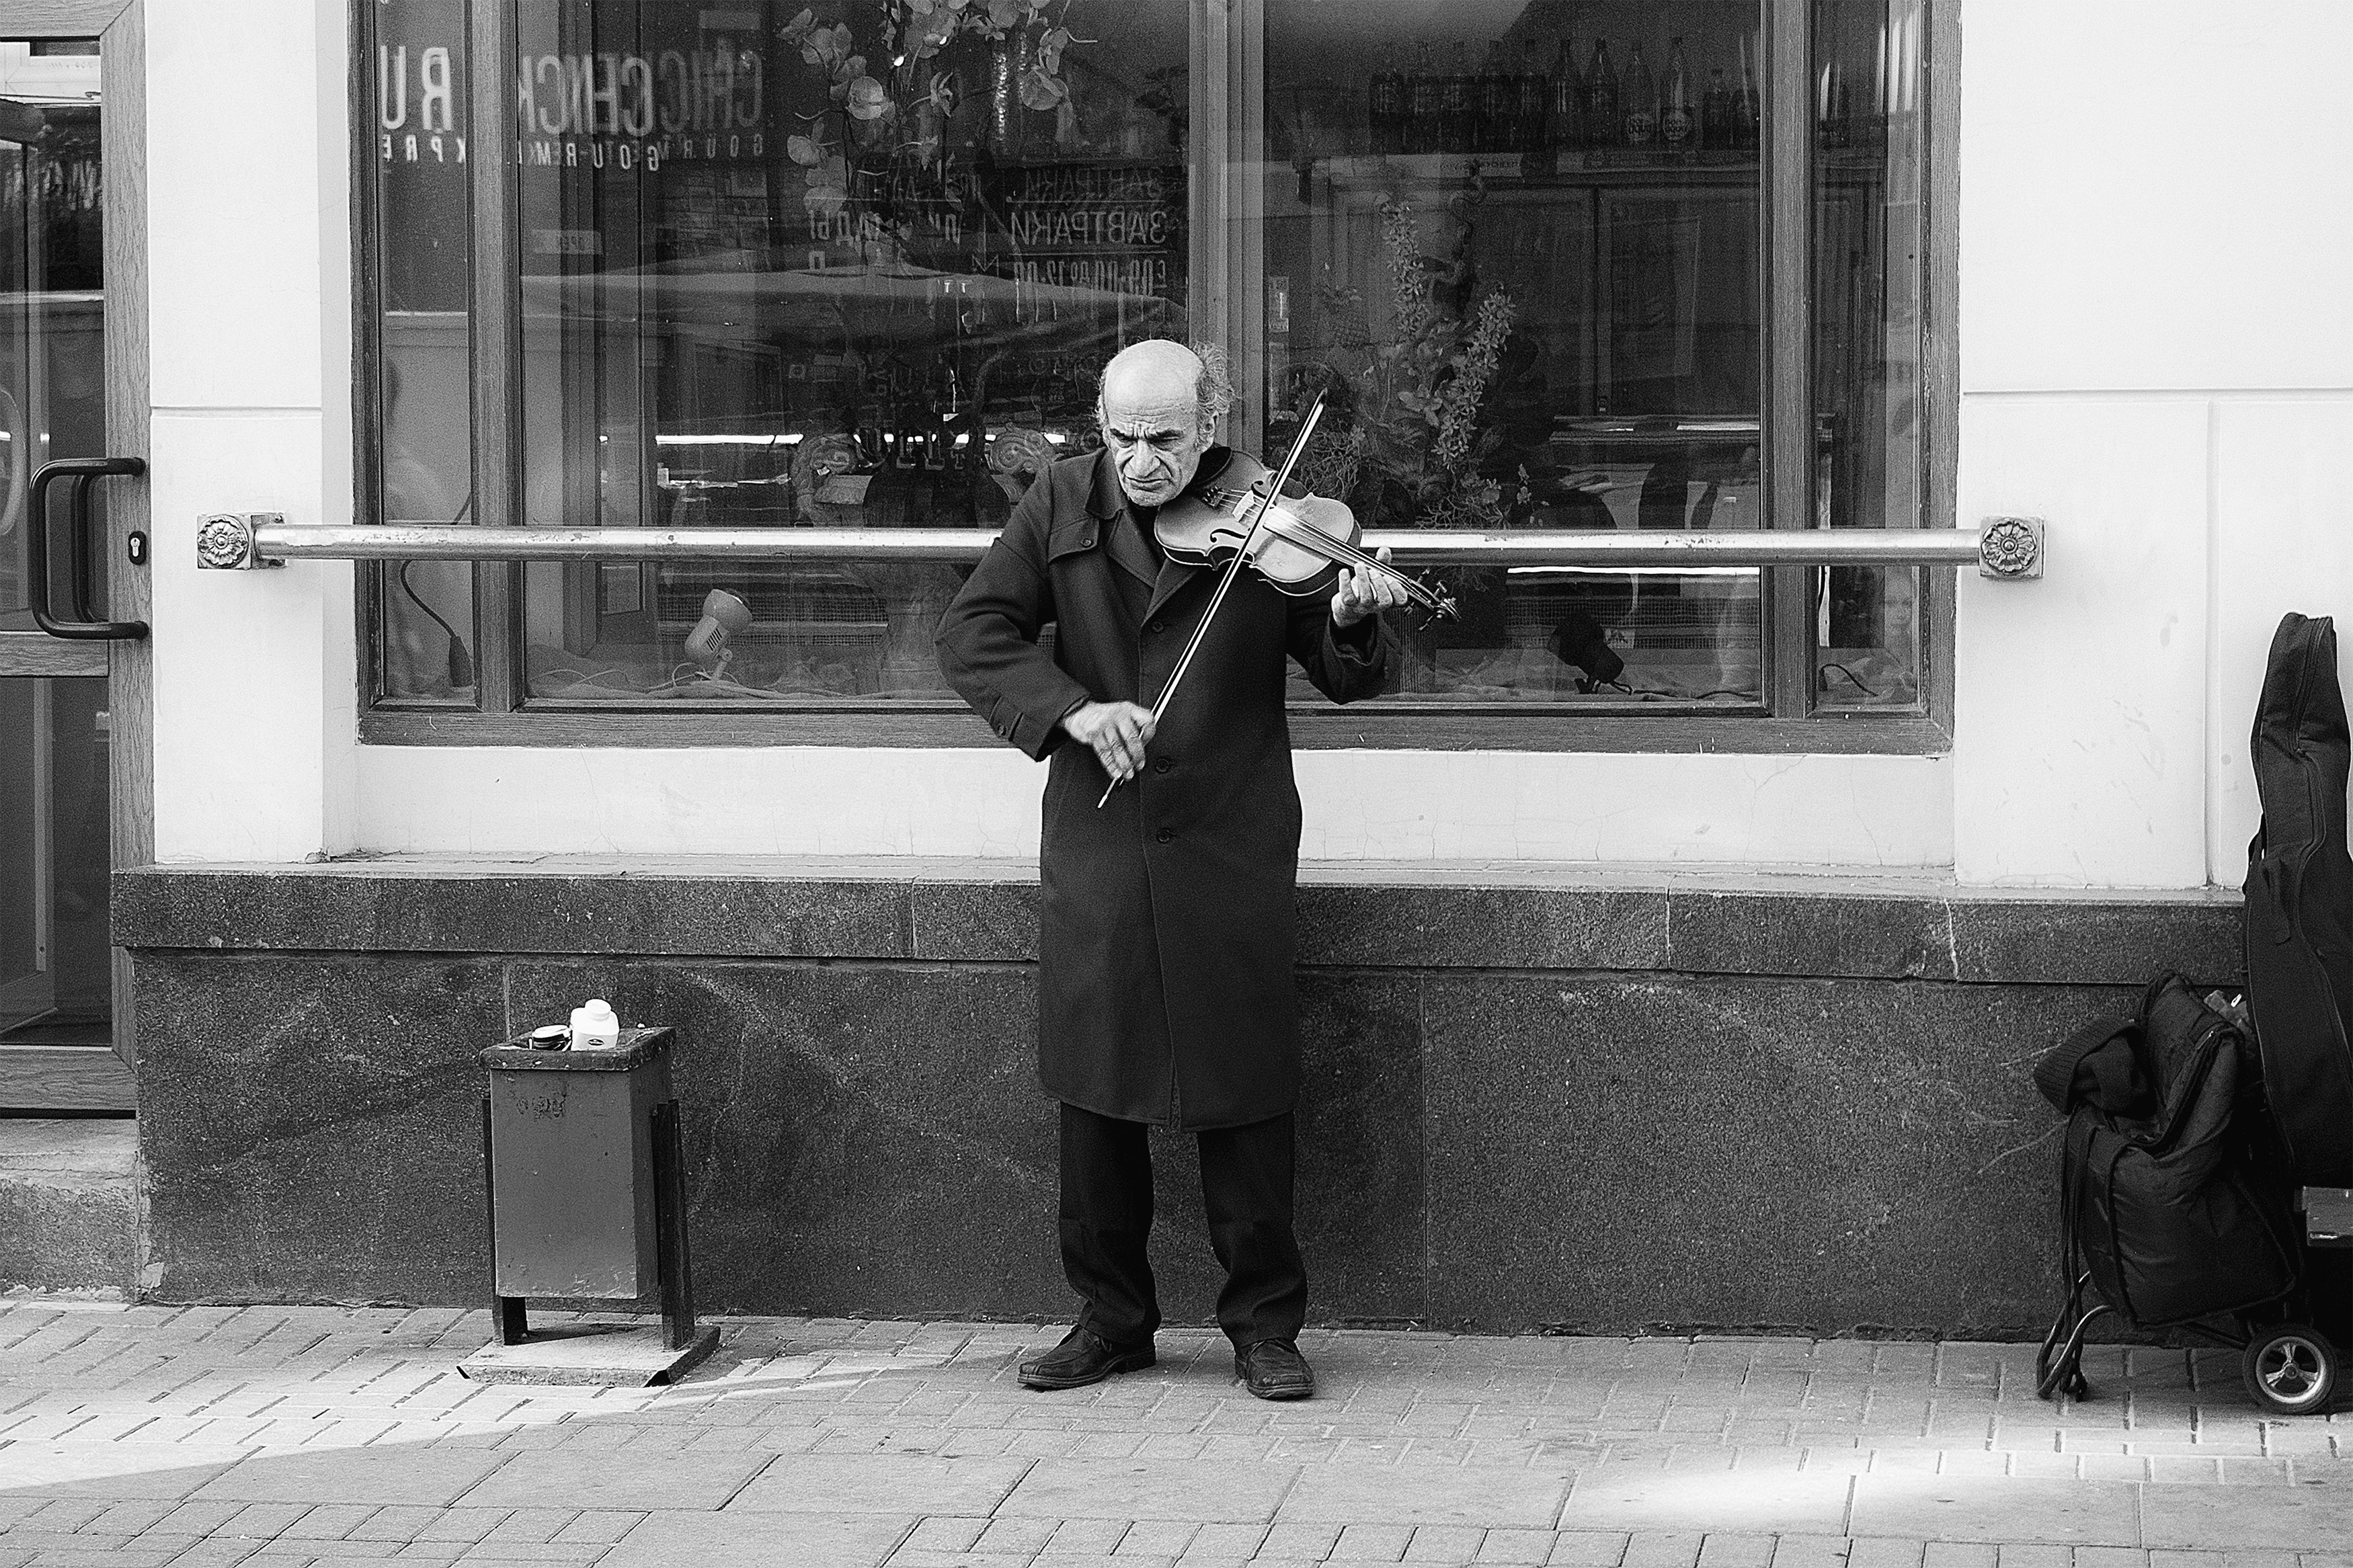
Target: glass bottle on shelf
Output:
{"points": [[1601, 127], [1458, 113], [1567, 121], [1834, 129], [1425, 98], [1678, 117], [1640, 94], [1531, 96], [1384, 103], [1716, 114], [1746, 123], [1499, 104]]}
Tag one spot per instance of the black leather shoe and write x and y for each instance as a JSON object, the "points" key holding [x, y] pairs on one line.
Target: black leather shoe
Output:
{"points": [[1274, 1368], [1081, 1359]]}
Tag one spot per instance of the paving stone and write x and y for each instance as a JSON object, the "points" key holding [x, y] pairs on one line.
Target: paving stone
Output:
{"points": [[1960, 1508], [1157, 1537], [1958, 1555], [1880, 1552], [945, 1535], [1372, 1542], [2017, 1554], [1087, 1537], [2298, 1519], [1150, 1488], [116, 1470], [1614, 1497], [1293, 1539], [1221, 1542], [1728, 1549], [776, 1539], [1664, 1549], [403, 1474], [1444, 1543], [215, 1553], [1441, 1495], [569, 1479], [1802, 1550], [882, 1483]]}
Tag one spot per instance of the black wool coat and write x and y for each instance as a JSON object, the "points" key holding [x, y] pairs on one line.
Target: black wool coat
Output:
{"points": [[1165, 943]]}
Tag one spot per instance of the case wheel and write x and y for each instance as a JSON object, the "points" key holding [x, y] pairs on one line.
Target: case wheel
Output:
{"points": [[2290, 1369]]}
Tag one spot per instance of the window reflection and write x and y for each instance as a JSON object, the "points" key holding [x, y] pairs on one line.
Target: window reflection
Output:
{"points": [[847, 267], [52, 301], [425, 384], [1870, 180], [1518, 247]]}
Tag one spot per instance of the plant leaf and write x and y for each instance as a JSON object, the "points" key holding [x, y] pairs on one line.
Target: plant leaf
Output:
{"points": [[1041, 90], [867, 99], [803, 151]]}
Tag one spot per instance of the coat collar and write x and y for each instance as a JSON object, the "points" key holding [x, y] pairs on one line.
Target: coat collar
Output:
{"points": [[1086, 529], [1106, 501]]}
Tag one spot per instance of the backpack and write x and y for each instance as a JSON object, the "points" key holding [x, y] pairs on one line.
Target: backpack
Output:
{"points": [[2167, 1209], [2299, 902]]}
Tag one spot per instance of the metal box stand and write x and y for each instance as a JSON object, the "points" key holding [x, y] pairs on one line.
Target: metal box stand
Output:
{"points": [[585, 1178]]}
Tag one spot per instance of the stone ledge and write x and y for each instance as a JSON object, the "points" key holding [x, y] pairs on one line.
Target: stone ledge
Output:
{"points": [[1456, 915]]}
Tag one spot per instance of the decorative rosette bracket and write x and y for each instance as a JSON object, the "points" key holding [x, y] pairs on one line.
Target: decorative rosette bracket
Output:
{"points": [[227, 541], [2011, 548]]}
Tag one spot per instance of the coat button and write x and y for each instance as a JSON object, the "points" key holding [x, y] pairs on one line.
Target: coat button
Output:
{"points": [[1162, 764], [1164, 836], [1156, 627]]}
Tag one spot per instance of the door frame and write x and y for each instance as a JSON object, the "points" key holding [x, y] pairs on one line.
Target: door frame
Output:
{"points": [[120, 26]]}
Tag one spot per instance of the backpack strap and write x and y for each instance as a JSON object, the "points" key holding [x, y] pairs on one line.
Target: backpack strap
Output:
{"points": [[2054, 1075]]}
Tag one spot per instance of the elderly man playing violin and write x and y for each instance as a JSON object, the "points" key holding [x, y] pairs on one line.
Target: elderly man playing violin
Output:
{"points": [[1164, 981]]}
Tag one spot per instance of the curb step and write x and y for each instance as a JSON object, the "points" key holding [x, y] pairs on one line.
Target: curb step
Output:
{"points": [[69, 1204]]}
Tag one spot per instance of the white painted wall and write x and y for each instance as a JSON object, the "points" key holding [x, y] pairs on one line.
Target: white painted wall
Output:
{"points": [[2156, 356], [2157, 344], [1360, 806], [252, 671]]}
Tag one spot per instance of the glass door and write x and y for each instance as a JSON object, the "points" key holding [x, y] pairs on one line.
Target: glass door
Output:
{"points": [[56, 1003]]}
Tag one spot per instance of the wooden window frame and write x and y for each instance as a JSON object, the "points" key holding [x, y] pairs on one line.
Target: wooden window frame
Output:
{"points": [[503, 715]]}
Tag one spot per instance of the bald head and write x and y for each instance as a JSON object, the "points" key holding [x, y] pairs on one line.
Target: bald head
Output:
{"points": [[1153, 421]]}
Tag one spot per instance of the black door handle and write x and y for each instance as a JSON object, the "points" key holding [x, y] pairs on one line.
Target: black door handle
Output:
{"points": [[84, 472]]}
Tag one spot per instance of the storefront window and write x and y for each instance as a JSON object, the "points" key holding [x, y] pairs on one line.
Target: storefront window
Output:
{"points": [[858, 264], [424, 472]]}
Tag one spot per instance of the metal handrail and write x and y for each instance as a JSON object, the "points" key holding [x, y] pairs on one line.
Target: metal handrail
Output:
{"points": [[2004, 547]]}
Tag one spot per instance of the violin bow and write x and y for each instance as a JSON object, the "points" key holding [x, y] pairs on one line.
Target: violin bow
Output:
{"points": [[1233, 567]]}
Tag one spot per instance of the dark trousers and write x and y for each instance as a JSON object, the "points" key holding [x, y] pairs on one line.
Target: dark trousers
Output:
{"points": [[1106, 1217]]}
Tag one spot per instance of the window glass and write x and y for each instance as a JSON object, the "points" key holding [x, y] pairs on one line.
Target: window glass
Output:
{"points": [[1870, 169], [1518, 247], [859, 265], [852, 266], [424, 393], [52, 307]]}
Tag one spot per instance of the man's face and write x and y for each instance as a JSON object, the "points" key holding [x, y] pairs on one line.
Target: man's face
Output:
{"points": [[1156, 433]]}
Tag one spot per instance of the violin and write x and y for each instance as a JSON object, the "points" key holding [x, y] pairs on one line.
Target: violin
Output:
{"points": [[1298, 545], [1243, 525]]}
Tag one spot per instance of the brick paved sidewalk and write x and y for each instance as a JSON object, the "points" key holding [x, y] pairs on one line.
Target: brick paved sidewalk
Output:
{"points": [[202, 1435]]}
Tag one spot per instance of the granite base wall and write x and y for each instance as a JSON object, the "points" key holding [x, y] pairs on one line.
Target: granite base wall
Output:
{"points": [[1531, 1102]]}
